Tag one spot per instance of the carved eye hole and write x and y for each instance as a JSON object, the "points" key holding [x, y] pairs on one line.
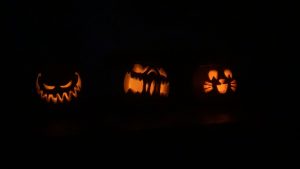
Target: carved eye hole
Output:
{"points": [[48, 87], [137, 68], [163, 73], [66, 85], [213, 74], [228, 73]]}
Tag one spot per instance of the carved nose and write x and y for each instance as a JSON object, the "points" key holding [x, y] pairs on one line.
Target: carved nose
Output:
{"points": [[222, 81]]}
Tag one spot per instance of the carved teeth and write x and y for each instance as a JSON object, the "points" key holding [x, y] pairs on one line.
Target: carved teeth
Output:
{"points": [[58, 97]]}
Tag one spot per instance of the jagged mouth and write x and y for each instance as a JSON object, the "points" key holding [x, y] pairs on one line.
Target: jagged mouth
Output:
{"points": [[59, 97]]}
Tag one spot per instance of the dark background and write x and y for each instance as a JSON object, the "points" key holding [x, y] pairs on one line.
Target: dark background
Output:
{"points": [[102, 39]]}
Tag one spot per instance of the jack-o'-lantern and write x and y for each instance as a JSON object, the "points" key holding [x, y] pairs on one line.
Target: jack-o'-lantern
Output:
{"points": [[146, 80], [58, 89], [215, 79]]}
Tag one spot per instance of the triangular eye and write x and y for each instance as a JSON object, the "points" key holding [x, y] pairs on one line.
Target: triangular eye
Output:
{"points": [[213, 74], [66, 85], [48, 87], [228, 73]]}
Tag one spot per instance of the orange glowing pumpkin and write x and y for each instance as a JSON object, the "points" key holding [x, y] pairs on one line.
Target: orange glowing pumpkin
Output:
{"points": [[58, 91], [146, 80]]}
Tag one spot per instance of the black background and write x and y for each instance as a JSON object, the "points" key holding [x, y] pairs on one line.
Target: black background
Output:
{"points": [[102, 39]]}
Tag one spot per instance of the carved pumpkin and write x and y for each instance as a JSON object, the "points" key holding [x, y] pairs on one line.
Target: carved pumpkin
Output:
{"points": [[215, 79], [147, 80], [58, 90]]}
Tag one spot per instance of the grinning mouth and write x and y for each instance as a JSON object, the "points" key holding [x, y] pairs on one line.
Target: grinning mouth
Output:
{"points": [[59, 97], [138, 83]]}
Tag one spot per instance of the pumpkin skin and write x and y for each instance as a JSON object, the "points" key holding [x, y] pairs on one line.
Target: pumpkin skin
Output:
{"points": [[58, 90], [214, 80], [150, 81]]}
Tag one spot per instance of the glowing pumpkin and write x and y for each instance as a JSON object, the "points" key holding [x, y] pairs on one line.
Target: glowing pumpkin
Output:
{"points": [[215, 80], [58, 91], [147, 80]]}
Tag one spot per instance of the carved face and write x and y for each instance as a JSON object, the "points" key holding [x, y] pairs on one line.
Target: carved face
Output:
{"points": [[58, 90], [214, 79], [147, 81], [222, 82]]}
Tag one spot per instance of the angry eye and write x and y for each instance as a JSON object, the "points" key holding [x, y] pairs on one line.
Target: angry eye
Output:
{"points": [[48, 87], [228, 73], [66, 85]]}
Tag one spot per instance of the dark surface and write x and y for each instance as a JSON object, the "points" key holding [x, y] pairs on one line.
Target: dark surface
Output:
{"points": [[102, 39]]}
